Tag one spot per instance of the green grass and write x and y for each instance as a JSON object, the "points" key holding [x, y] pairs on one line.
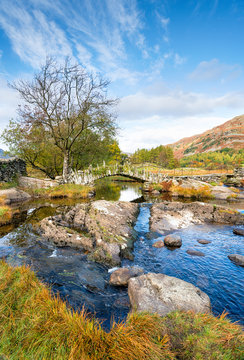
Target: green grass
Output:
{"points": [[37, 325], [8, 185], [70, 191]]}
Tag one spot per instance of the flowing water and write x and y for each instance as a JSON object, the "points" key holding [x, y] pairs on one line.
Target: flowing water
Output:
{"points": [[85, 283]]}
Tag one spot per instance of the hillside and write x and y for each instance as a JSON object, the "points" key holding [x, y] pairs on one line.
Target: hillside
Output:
{"points": [[228, 135]]}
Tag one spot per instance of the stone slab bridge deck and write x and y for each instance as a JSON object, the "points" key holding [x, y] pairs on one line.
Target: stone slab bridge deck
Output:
{"points": [[89, 176]]}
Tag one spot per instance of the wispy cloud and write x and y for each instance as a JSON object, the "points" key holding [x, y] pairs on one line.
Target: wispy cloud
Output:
{"points": [[214, 70], [164, 21], [33, 37], [8, 103]]}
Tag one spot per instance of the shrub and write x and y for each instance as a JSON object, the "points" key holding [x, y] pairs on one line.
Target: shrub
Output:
{"points": [[166, 185], [202, 192]]}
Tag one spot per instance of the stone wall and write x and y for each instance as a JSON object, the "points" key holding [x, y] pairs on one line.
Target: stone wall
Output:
{"points": [[11, 168], [205, 178]]}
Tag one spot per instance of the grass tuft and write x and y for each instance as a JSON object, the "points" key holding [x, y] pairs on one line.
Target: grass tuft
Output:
{"points": [[71, 191], [34, 324], [6, 215]]}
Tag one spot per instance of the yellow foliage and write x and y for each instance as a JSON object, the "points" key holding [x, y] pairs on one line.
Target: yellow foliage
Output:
{"points": [[202, 192]]}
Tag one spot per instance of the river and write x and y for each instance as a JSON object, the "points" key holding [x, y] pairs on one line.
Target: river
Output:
{"points": [[85, 283]]}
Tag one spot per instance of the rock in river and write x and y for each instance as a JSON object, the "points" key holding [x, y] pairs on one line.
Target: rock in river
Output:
{"points": [[120, 277], [239, 232], [159, 293], [194, 252], [158, 244], [173, 240], [104, 228], [168, 216], [236, 258], [204, 242]]}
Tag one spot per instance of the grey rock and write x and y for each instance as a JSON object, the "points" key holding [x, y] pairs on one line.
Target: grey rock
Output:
{"points": [[204, 242], [159, 293], [236, 258], [14, 195], [169, 216], [120, 277], [105, 228], [173, 240], [195, 252], [239, 232]]}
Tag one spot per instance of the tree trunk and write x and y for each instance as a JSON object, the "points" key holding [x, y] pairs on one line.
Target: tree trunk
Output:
{"points": [[66, 166]]}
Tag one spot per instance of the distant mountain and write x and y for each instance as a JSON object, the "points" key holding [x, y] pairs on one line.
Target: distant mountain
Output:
{"points": [[2, 156], [228, 135]]}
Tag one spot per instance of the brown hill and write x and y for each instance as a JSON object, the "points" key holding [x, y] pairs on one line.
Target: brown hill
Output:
{"points": [[228, 135]]}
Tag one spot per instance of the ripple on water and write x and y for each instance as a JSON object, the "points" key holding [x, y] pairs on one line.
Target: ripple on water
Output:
{"points": [[82, 282], [214, 273]]}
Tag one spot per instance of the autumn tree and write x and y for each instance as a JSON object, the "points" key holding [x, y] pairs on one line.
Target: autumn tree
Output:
{"points": [[65, 101]]}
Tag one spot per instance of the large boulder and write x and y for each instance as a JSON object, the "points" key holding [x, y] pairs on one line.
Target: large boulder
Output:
{"points": [[161, 294], [105, 228], [13, 195], [169, 216], [120, 277]]}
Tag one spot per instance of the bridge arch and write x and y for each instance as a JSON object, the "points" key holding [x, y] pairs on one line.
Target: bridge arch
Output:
{"points": [[135, 178]]}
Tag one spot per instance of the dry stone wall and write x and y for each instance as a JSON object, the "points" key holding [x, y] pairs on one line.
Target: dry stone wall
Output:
{"points": [[11, 168]]}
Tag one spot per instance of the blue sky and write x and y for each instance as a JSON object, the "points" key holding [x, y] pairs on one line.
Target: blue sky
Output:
{"points": [[177, 66]]}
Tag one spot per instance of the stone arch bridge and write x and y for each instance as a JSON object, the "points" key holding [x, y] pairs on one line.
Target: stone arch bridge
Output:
{"points": [[90, 175]]}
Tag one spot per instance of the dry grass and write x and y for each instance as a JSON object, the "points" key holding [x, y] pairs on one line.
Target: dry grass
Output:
{"points": [[182, 171], [204, 337], [202, 192], [70, 191], [6, 215], [38, 325]]}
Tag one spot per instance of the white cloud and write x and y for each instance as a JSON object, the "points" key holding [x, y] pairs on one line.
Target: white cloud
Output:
{"points": [[8, 104], [33, 37], [176, 103], [165, 22], [179, 60], [214, 70], [156, 131]]}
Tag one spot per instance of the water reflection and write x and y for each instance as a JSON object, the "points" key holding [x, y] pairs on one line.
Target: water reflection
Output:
{"points": [[124, 191], [82, 282]]}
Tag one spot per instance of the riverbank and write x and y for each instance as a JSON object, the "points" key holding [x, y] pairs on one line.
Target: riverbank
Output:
{"points": [[36, 324]]}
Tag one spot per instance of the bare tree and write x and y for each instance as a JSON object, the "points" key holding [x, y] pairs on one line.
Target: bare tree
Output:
{"points": [[66, 101]]}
